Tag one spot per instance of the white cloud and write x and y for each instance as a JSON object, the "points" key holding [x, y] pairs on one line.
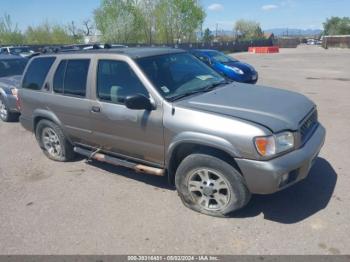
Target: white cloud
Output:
{"points": [[269, 7], [215, 7]]}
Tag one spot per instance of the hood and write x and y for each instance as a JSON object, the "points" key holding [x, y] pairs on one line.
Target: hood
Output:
{"points": [[10, 81], [246, 68], [273, 108]]}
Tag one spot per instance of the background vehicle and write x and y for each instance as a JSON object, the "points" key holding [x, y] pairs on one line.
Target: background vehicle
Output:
{"points": [[23, 51], [11, 69], [101, 46], [163, 112], [227, 66]]}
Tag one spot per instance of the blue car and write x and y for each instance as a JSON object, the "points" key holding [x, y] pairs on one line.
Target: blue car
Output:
{"points": [[227, 66]]}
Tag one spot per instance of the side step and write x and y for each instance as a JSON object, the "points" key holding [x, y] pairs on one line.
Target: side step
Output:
{"points": [[119, 162]]}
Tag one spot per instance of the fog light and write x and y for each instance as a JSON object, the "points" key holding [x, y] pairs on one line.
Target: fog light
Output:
{"points": [[284, 180]]}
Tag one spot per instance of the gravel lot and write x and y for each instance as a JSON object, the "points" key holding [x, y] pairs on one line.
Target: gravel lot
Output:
{"points": [[93, 208]]}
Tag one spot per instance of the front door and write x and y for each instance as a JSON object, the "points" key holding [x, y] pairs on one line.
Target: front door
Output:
{"points": [[132, 133]]}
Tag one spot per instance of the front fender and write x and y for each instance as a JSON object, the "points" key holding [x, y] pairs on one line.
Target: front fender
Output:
{"points": [[203, 140]]}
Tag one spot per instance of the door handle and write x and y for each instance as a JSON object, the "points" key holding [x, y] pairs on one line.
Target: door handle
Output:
{"points": [[96, 109]]}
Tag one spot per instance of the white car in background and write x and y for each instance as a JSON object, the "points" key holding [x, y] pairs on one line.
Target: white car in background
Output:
{"points": [[23, 51]]}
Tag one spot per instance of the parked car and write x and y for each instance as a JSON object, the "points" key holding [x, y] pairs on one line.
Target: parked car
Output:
{"points": [[23, 51], [101, 46], [163, 112], [227, 66], [11, 69]]}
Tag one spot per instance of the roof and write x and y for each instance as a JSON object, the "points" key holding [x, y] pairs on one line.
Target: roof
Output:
{"points": [[9, 57], [204, 50], [133, 52]]}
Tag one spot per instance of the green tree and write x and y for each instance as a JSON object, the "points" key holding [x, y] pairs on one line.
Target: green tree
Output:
{"points": [[9, 33], [118, 21], [248, 30], [49, 34], [207, 37], [146, 19], [337, 26], [178, 20]]}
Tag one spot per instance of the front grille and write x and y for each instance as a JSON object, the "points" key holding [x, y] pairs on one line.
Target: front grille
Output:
{"points": [[307, 126]]}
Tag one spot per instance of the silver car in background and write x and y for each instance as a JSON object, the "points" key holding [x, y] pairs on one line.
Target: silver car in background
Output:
{"points": [[11, 69]]}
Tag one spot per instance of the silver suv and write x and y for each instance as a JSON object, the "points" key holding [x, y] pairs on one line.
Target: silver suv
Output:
{"points": [[164, 112]]}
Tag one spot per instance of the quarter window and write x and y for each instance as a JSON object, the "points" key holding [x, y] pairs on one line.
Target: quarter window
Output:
{"points": [[116, 80], [71, 76], [36, 72]]}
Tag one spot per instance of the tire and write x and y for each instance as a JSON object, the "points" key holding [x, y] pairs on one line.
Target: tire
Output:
{"points": [[5, 114], [53, 142], [224, 193]]}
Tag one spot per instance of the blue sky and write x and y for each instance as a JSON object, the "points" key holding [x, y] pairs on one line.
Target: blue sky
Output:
{"points": [[303, 14]]}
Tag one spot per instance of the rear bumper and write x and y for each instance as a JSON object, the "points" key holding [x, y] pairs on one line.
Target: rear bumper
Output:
{"points": [[11, 103], [265, 177]]}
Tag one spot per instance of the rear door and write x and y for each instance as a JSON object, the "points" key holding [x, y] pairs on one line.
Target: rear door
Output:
{"points": [[70, 97]]}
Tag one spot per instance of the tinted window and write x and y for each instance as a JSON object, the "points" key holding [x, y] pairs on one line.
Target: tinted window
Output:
{"points": [[70, 77], [59, 77], [36, 73], [75, 77], [116, 80], [175, 75], [12, 67]]}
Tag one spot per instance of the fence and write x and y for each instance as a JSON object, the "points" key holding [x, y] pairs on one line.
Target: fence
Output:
{"points": [[235, 46], [340, 41], [288, 42]]}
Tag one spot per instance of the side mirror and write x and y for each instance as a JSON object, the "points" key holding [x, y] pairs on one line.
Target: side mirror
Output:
{"points": [[138, 102]]}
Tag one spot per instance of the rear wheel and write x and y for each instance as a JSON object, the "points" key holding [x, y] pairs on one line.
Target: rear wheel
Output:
{"points": [[5, 114], [53, 142], [210, 185]]}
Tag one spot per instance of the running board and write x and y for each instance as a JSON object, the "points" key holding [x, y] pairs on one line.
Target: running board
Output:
{"points": [[119, 162]]}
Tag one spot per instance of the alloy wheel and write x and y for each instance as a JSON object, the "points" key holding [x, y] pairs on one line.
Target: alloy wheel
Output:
{"points": [[209, 189]]}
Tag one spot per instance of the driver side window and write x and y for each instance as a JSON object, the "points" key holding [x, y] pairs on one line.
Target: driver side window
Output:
{"points": [[116, 80]]}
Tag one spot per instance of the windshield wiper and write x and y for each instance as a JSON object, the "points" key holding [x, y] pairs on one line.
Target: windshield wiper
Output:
{"points": [[202, 90]]}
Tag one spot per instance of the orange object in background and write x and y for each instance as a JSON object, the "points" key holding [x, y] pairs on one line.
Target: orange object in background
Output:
{"points": [[264, 50]]}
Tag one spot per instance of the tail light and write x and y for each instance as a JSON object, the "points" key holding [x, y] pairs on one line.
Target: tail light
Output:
{"points": [[15, 93]]}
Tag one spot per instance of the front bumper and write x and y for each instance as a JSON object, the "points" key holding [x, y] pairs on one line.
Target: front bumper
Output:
{"points": [[265, 177]]}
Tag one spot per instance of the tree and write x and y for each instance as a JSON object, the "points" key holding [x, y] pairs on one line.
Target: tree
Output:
{"points": [[207, 37], [146, 18], [87, 27], [49, 34], [117, 21], [337, 26], [178, 20], [248, 30], [9, 33]]}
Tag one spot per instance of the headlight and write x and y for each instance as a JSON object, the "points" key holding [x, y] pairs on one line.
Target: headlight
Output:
{"points": [[235, 69], [275, 144]]}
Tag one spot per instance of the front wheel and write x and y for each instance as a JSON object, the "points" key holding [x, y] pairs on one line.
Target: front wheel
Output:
{"points": [[210, 185]]}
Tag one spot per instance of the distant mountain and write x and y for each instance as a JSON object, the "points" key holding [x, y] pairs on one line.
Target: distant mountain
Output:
{"points": [[293, 31]]}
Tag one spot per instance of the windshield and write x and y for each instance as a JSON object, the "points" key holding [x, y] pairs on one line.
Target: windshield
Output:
{"points": [[175, 75], [12, 67], [221, 58], [19, 50]]}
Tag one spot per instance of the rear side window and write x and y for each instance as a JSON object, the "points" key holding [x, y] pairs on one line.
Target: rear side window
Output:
{"points": [[70, 77], [36, 72]]}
